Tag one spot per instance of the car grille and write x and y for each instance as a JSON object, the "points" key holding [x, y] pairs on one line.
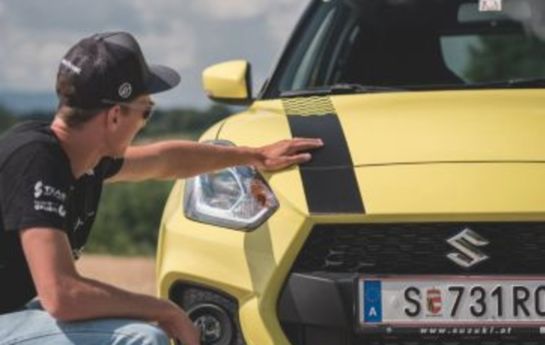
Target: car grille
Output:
{"points": [[334, 255], [513, 248]]}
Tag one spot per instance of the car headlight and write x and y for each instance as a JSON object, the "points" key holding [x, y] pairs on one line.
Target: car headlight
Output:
{"points": [[237, 197]]}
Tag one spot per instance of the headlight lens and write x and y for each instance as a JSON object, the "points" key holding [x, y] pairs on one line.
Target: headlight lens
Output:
{"points": [[237, 197]]}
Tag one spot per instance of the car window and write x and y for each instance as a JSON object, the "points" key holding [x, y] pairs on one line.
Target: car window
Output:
{"points": [[308, 46], [311, 56], [490, 58], [420, 44]]}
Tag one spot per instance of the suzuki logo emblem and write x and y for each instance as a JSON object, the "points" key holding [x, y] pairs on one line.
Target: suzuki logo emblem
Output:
{"points": [[467, 243]]}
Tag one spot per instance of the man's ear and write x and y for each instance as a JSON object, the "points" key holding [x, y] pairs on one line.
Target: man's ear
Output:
{"points": [[113, 118]]}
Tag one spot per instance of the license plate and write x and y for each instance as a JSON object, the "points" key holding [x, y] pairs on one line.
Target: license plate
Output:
{"points": [[416, 301]]}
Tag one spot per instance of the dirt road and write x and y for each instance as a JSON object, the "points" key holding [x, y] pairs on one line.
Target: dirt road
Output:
{"points": [[132, 273]]}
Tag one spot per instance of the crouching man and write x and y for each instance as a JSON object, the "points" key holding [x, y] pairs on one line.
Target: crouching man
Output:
{"points": [[51, 177]]}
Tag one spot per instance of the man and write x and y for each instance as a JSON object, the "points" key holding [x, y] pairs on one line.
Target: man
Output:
{"points": [[51, 177]]}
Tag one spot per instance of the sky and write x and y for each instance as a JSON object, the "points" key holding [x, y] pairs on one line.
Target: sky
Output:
{"points": [[187, 35]]}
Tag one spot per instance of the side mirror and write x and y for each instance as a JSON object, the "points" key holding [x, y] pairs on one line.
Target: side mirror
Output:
{"points": [[229, 82]]}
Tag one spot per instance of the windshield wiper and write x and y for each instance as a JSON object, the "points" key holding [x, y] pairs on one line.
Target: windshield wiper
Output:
{"points": [[514, 83], [340, 89]]}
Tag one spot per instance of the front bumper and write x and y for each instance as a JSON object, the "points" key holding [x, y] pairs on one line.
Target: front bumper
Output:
{"points": [[295, 282], [247, 268], [319, 303], [320, 309]]}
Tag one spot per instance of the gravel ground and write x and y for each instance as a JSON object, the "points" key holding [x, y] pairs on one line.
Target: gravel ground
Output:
{"points": [[132, 273]]}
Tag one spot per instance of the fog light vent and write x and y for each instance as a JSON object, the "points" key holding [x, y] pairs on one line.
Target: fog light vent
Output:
{"points": [[214, 322], [215, 313]]}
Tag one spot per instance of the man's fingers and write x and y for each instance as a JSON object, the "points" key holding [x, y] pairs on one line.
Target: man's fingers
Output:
{"points": [[302, 144], [314, 141], [297, 159], [287, 152]]}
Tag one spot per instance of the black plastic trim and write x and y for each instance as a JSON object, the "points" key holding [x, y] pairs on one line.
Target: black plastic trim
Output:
{"points": [[321, 309], [421, 248], [329, 179], [187, 295]]}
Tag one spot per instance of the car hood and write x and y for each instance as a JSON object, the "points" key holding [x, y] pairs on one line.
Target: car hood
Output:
{"points": [[449, 152], [418, 127], [444, 127]]}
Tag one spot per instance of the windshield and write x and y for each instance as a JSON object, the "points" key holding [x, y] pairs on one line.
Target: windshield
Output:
{"points": [[414, 44]]}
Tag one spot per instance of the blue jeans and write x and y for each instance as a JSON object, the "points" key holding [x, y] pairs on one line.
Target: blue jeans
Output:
{"points": [[34, 326]]}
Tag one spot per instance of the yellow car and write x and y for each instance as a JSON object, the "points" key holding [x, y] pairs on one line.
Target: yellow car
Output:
{"points": [[421, 220]]}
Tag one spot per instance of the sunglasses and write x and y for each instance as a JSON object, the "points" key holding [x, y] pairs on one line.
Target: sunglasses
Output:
{"points": [[147, 111]]}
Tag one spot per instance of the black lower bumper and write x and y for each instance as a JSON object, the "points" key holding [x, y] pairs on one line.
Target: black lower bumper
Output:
{"points": [[322, 309]]}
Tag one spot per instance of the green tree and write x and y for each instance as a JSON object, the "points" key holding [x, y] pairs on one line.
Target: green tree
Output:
{"points": [[6, 119], [187, 121], [506, 57], [128, 218]]}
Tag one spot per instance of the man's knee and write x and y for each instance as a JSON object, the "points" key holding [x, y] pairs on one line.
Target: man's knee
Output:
{"points": [[143, 334]]}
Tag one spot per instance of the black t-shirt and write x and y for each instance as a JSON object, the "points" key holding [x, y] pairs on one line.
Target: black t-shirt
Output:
{"points": [[37, 189]]}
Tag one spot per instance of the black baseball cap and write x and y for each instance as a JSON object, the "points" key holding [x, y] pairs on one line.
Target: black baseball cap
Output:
{"points": [[106, 68]]}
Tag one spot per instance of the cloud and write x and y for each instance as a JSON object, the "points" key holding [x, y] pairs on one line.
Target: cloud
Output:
{"points": [[279, 16], [174, 46], [32, 46], [281, 19], [159, 12], [273, 11], [166, 37], [187, 35], [31, 63], [231, 9], [75, 15], [35, 35]]}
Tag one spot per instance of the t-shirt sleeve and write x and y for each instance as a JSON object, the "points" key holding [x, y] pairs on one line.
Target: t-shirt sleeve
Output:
{"points": [[108, 167], [34, 187]]}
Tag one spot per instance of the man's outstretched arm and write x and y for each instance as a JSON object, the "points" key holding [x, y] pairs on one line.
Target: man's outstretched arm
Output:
{"points": [[181, 159], [67, 296]]}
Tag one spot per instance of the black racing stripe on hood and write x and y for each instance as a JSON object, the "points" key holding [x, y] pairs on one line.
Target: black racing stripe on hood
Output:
{"points": [[329, 179]]}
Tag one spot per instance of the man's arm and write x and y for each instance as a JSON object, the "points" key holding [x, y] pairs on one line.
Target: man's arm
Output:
{"points": [[68, 296], [181, 159]]}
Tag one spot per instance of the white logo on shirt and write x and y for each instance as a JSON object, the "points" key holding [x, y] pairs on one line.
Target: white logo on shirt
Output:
{"points": [[40, 189], [81, 222], [51, 207], [78, 224]]}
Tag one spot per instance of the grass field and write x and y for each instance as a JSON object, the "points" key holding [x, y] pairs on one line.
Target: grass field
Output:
{"points": [[132, 273]]}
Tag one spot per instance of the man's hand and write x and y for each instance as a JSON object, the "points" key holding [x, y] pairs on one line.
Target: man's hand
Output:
{"points": [[69, 297], [174, 159], [285, 153], [179, 327]]}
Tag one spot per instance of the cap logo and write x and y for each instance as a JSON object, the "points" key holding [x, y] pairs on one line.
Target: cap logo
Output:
{"points": [[125, 90], [71, 66]]}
